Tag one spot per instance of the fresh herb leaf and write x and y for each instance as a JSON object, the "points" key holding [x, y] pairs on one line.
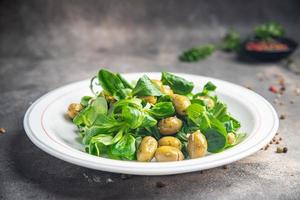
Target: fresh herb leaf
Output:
{"points": [[125, 148], [177, 84], [89, 114], [197, 53], [145, 87], [162, 110], [111, 83], [269, 30], [124, 81], [85, 100], [215, 139], [231, 41]]}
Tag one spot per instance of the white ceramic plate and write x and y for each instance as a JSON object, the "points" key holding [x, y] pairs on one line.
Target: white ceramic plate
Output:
{"points": [[48, 127]]}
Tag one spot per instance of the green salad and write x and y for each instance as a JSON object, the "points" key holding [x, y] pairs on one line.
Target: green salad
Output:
{"points": [[161, 120]]}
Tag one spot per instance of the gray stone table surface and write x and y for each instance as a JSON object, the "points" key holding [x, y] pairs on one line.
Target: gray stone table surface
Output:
{"points": [[47, 44]]}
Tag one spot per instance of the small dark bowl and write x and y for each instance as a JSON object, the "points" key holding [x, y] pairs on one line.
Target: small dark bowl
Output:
{"points": [[270, 55]]}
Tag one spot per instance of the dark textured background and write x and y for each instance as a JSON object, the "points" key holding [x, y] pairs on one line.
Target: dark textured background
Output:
{"points": [[46, 44]]}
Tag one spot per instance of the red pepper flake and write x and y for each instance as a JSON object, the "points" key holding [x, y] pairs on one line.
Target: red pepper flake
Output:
{"points": [[273, 89]]}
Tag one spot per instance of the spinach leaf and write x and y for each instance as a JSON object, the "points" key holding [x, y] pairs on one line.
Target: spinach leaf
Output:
{"points": [[145, 87], [194, 111], [216, 141], [124, 81], [164, 98], [162, 110], [103, 125], [85, 100], [111, 83], [132, 116], [125, 148], [208, 87], [89, 114], [177, 84], [148, 121], [219, 110]]}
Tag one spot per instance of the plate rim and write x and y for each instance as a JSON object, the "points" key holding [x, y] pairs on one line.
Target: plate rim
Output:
{"points": [[116, 169]]}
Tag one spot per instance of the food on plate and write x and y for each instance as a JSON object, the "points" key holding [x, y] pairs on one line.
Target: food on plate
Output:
{"points": [[153, 120]]}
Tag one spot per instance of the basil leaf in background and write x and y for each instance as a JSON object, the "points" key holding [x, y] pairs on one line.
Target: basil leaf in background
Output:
{"points": [[125, 148], [269, 30], [112, 84], [177, 84], [162, 110], [85, 100], [216, 141], [145, 87], [197, 53], [124, 81], [231, 41]]}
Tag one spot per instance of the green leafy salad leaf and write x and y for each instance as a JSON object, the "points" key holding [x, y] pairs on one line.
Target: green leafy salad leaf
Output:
{"points": [[144, 87], [269, 30], [177, 84]]}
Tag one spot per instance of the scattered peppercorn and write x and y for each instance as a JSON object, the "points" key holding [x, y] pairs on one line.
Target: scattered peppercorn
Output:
{"points": [[225, 167], [160, 184], [277, 142], [280, 139], [277, 133], [279, 150], [282, 117], [2, 130], [273, 89], [271, 142], [285, 149]]}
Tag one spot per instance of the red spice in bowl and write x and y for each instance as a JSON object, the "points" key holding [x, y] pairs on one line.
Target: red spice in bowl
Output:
{"points": [[262, 46]]}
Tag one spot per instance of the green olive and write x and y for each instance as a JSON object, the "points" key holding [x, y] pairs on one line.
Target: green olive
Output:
{"points": [[170, 141], [74, 109], [150, 99], [168, 153], [181, 103], [197, 145], [146, 149], [169, 126], [208, 101], [231, 138]]}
